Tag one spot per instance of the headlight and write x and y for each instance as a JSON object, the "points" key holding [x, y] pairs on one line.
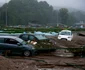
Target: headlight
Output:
{"points": [[33, 47]]}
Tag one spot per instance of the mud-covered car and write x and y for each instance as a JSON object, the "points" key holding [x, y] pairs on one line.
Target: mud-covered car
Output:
{"points": [[65, 35], [15, 45], [41, 42]]}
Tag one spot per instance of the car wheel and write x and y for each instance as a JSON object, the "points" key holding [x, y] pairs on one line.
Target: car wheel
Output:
{"points": [[27, 53]]}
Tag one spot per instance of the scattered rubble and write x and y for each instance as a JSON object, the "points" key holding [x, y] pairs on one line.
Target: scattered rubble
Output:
{"points": [[51, 62]]}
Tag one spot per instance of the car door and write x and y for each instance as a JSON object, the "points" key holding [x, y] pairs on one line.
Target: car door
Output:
{"points": [[2, 47], [12, 45]]}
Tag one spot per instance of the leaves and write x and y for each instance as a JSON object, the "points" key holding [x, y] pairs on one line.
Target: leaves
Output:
{"points": [[23, 12]]}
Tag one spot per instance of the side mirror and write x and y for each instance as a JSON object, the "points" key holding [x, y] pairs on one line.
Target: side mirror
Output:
{"points": [[19, 44]]}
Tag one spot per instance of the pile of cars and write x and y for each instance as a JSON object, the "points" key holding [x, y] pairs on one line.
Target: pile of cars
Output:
{"points": [[46, 33], [40, 42], [25, 44], [30, 44]]}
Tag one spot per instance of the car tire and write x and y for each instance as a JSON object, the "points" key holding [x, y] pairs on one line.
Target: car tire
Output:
{"points": [[27, 53]]}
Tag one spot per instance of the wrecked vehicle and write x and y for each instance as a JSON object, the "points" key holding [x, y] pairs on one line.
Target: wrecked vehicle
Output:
{"points": [[41, 42], [15, 45], [65, 35], [81, 34], [46, 33]]}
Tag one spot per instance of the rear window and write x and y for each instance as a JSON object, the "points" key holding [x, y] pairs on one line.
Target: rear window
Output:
{"points": [[40, 36], [24, 37]]}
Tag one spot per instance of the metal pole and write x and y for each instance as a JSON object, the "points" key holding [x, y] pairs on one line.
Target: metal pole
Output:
{"points": [[6, 14], [57, 18]]}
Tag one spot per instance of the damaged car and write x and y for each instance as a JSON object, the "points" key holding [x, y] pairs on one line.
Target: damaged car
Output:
{"points": [[65, 35], [15, 45], [40, 41]]}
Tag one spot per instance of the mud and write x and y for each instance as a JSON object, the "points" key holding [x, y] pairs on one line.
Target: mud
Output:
{"points": [[47, 61]]}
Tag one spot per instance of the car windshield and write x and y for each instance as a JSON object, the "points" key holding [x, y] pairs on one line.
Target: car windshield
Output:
{"points": [[40, 36], [21, 41], [65, 33]]}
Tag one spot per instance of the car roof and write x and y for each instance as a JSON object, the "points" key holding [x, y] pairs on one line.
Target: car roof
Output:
{"points": [[13, 37], [26, 34], [65, 31]]}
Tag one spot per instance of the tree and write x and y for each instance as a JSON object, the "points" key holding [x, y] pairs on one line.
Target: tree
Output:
{"points": [[25, 11], [71, 19], [63, 14], [22, 12]]}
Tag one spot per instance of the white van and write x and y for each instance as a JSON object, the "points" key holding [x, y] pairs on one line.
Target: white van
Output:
{"points": [[65, 34]]}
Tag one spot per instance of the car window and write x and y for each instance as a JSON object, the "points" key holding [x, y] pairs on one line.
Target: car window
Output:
{"points": [[24, 37], [11, 41], [1, 40], [65, 33], [41, 37], [31, 37]]}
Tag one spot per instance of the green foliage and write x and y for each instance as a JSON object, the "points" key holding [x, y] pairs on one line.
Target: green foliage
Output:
{"points": [[71, 19], [21, 30], [63, 13], [23, 12], [80, 16]]}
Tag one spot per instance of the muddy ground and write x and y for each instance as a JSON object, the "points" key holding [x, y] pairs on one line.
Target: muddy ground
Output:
{"points": [[57, 60]]}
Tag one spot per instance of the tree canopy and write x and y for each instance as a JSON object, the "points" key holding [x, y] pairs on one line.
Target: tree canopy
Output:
{"points": [[23, 12]]}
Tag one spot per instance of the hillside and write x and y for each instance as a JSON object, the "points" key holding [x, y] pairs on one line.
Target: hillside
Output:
{"points": [[22, 12]]}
